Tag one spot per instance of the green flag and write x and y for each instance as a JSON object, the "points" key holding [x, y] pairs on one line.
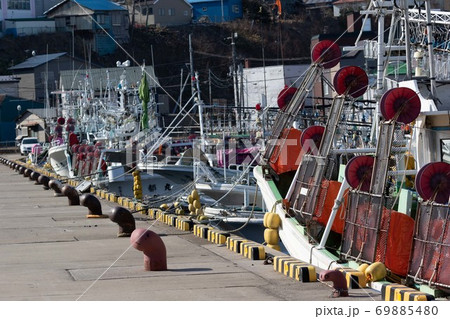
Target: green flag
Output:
{"points": [[144, 96]]}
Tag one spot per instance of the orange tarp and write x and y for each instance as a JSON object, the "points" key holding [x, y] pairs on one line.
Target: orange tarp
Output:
{"points": [[286, 154], [400, 236], [328, 194]]}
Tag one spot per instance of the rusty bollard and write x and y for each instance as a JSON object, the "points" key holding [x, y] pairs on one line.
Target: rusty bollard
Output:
{"points": [[72, 195], [44, 180], [56, 186], [155, 256], [339, 282], [93, 205], [34, 176], [124, 219]]}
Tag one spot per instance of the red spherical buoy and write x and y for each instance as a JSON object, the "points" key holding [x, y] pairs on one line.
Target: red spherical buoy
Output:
{"points": [[285, 96], [61, 121]]}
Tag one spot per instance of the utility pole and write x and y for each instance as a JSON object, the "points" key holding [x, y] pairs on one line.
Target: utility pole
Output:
{"points": [[191, 65], [209, 84], [235, 78]]}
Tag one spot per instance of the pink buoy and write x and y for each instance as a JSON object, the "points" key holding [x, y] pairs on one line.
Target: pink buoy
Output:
{"points": [[155, 257], [285, 96], [400, 104], [351, 80], [326, 53], [358, 172]]}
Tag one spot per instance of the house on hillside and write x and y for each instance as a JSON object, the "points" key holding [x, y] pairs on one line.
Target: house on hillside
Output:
{"points": [[11, 107], [159, 12], [216, 11], [101, 22], [40, 73], [9, 85], [32, 123], [24, 17], [344, 6]]}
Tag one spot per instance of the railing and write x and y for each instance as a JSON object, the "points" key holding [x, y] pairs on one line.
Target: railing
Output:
{"points": [[9, 147]]}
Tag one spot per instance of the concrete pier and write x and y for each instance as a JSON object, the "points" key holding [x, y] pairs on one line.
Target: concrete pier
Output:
{"points": [[51, 251]]}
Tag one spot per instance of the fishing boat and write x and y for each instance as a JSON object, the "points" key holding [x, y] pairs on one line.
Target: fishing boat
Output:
{"points": [[342, 207]]}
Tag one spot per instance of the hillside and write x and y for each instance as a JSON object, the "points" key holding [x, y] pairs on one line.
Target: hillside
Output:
{"points": [[286, 41]]}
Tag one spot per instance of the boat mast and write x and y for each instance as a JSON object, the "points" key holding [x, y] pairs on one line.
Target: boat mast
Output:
{"points": [[380, 46], [430, 51], [407, 42]]}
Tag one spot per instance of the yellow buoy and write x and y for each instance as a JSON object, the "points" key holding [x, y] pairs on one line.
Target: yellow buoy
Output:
{"points": [[203, 217], [376, 271], [197, 204], [164, 206], [266, 216], [176, 204], [271, 236], [195, 195], [276, 247], [363, 267], [190, 199], [199, 211], [191, 208], [273, 221]]}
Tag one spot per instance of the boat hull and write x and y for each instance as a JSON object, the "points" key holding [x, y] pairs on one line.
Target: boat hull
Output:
{"points": [[57, 158], [232, 195], [293, 235]]}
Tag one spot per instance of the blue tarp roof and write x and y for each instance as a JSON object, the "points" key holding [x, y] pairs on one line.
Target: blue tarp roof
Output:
{"points": [[201, 1], [95, 5], [36, 61], [100, 5]]}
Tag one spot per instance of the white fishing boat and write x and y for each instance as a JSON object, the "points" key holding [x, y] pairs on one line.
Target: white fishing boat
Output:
{"points": [[375, 212]]}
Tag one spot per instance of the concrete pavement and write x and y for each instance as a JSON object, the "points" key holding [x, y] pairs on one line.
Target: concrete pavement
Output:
{"points": [[51, 251]]}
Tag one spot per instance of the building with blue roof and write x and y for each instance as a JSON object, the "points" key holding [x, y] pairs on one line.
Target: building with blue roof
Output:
{"points": [[100, 22], [216, 11], [25, 17]]}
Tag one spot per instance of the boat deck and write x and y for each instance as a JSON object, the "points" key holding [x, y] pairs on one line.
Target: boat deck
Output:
{"points": [[51, 251]]}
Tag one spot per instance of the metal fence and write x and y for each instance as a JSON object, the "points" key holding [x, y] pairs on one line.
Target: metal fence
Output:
{"points": [[9, 147]]}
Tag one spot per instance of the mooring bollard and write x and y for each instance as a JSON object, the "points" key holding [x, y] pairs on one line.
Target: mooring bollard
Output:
{"points": [[124, 219], [27, 172], [155, 256], [56, 186], [34, 176], [339, 282], [72, 195], [44, 180], [93, 205]]}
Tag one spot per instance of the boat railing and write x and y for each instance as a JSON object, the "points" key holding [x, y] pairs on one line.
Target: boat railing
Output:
{"points": [[202, 170], [363, 238], [431, 245]]}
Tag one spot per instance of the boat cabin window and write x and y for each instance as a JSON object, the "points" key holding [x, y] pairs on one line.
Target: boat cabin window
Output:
{"points": [[445, 150]]}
